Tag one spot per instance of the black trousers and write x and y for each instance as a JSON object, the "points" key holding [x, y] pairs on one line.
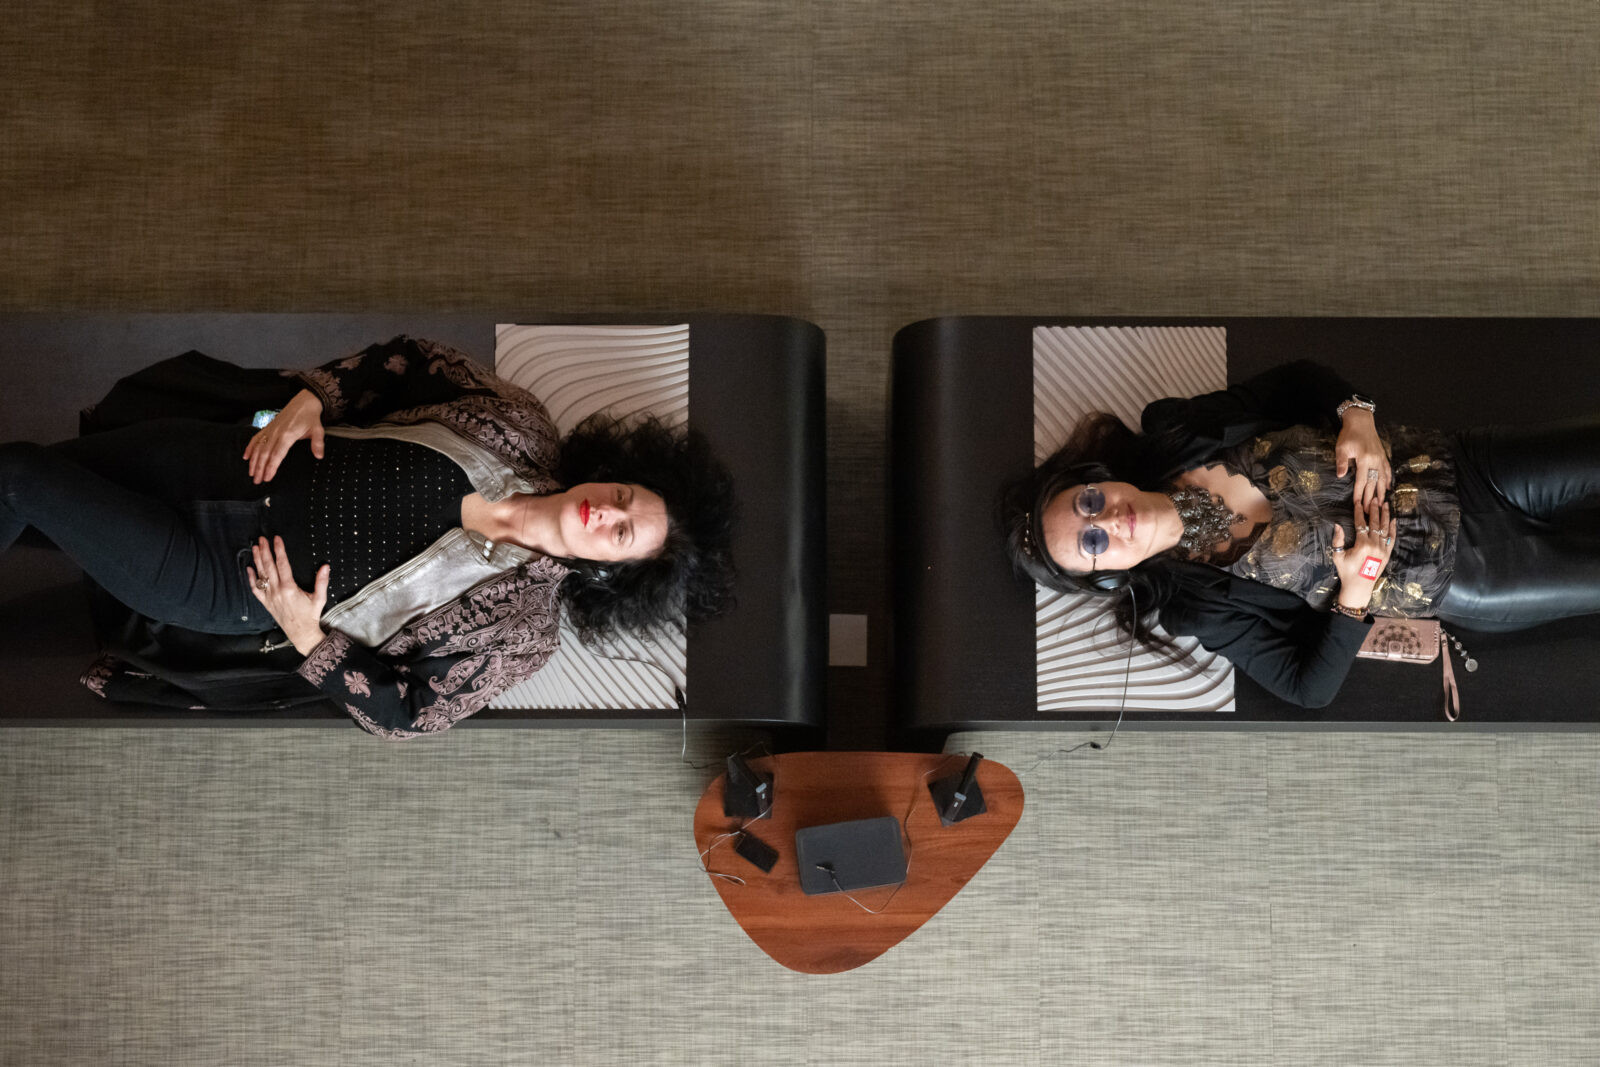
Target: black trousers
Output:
{"points": [[1529, 550], [161, 514]]}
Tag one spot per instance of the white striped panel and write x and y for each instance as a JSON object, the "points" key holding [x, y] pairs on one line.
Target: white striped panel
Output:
{"points": [[586, 679], [1082, 658], [576, 371], [579, 370]]}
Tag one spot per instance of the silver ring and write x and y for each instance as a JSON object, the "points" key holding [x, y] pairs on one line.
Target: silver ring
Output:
{"points": [[1338, 552], [1372, 474], [1361, 529]]}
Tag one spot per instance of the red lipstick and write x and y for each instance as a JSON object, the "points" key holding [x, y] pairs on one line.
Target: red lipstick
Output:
{"points": [[583, 513]]}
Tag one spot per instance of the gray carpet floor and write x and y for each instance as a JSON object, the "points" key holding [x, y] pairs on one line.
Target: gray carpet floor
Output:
{"points": [[245, 896], [494, 896]]}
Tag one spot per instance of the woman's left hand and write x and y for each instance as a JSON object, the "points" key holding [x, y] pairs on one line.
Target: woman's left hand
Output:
{"points": [[1363, 561], [296, 611], [1359, 447]]}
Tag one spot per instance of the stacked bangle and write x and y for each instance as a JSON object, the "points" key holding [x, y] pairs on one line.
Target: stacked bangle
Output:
{"points": [[1355, 401]]}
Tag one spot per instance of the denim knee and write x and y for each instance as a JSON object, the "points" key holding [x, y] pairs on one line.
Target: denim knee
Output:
{"points": [[20, 459], [21, 467], [22, 464]]}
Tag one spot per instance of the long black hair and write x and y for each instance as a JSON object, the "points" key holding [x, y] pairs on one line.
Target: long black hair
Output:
{"points": [[1100, 449], [692, 576]]}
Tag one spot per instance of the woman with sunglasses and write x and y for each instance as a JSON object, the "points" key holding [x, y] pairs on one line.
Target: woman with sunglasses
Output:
{"points": [[1272, 520]]}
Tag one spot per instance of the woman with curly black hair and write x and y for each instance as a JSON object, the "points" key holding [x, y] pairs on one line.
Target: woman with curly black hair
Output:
{"points": [[690, 576], [410, 562]]}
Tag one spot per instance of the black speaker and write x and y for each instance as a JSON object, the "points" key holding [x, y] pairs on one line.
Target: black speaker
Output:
{"points": [[958, 796], [748, 794]]}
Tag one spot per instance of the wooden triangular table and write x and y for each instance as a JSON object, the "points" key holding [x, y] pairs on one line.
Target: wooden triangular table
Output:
{"points": [[828, 934]]}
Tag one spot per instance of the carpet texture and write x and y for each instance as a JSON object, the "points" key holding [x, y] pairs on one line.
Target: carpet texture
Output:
{"points": [[495, 896], [242, 896]]}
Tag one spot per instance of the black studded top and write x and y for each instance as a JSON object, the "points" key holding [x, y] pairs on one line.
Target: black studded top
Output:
{"points": [[364, 509]]}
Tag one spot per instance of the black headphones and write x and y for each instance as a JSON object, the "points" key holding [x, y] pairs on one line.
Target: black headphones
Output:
{"points": [[1108, 581], [590, 571]]}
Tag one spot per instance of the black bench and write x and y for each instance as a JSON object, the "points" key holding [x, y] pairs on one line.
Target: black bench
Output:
{"points": [[962, 424], [756, 392]]}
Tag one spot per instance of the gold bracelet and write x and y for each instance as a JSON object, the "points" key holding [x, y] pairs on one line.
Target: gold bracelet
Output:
{"points": [[1354, 613]]}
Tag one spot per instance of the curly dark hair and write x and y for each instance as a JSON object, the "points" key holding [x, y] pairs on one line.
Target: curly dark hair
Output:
{"points": [[1101, 449], [692, 576]]}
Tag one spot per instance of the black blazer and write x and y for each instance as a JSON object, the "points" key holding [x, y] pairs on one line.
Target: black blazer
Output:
{"points": [[1295, 652]]}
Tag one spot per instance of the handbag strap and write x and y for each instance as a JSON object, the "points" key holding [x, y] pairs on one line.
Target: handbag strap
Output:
{"points": [[1452, 695]]}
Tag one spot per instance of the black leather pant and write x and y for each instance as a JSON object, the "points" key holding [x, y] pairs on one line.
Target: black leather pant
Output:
{"points": [[1529, 550]]}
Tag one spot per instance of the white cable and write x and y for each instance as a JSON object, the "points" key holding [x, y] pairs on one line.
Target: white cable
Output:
{"points": [[1127, 671]]}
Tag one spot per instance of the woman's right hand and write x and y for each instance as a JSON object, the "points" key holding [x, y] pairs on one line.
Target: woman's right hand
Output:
{"points": [[1361, 563], [300, 418], [297, 612], [1360, 449]]}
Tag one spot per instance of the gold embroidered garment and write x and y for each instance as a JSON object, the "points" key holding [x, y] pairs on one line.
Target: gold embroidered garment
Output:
{"points": [[1294, 468]]}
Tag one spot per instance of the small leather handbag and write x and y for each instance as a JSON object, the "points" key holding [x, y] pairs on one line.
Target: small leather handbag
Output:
{"points": [[1418, 641]]}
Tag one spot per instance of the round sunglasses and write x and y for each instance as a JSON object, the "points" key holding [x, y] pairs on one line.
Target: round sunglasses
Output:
{"points": [[1090, 502]]}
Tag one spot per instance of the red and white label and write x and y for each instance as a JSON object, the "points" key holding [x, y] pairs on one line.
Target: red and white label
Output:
{"points": [[1371, 567]]}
